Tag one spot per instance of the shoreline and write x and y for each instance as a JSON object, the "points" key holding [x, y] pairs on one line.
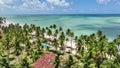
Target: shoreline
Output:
{"points": [[6, 23]]}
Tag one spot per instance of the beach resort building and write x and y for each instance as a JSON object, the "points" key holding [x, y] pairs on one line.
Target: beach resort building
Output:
{"points": [[45, 61]]}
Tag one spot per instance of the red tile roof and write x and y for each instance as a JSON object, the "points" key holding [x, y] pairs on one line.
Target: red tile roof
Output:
{"points": [[44, 61]]}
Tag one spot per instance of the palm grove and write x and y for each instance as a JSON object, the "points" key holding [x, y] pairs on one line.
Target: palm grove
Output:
{"points": [[92, 51]]}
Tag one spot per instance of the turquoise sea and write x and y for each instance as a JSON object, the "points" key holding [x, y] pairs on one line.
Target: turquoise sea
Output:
{"points": [[78, 23]]}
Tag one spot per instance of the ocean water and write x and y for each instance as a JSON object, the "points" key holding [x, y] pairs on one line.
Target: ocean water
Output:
{"points": [[79, 24]]}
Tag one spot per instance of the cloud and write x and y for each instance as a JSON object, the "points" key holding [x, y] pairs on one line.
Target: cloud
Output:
{"points": [[61, 3], [103, 1], [6, 1], [32, 5]]}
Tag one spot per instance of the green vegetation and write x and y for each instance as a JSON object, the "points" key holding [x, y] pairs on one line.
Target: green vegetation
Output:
{"points": [[20, 47]]}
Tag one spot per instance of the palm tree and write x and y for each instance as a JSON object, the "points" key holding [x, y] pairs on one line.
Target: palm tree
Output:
{"points": [[49, 32], [36, 55], [117, 42], [68, 32], [39, 46], [2, 48], [56, 32], [112, 50], [57, 61], [62, 39], [43, 30], [70, 62], [6, 43], [5, 63], [55, 43], [18, 49], [99, 33], [51, 26], [54, 26], [79, 45], [117, 59], [25, 63], [60, 29], [71, 35], [76, 38], [28, 46]]}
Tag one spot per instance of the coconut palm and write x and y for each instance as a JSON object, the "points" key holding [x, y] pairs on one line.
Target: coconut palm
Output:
{"points": [[99, 33], [62, 39], [79, 45], [24, 63], [117, 42], [43, 30], [70, 62], [56, 32], [117, 59], [57, 61], [6, 42], [68, 32], [49, 32], [71, 35], [18, 49], [60, 29], [112, 50], [5, 63], [28, 46], [54, 26], [2, 48], [39, 47], [55, 43]]}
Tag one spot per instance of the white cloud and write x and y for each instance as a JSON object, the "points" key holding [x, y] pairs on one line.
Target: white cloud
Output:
{"points": [[33, 4], [61, 3], [9, 2], [5, 4], [103, 1], [6, 1]]}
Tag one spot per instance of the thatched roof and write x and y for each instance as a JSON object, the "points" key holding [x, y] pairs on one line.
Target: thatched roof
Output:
{"points": [[45, 61]]}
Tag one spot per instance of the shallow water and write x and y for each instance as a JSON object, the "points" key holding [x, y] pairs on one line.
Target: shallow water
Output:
{"points": [[79, 24]]}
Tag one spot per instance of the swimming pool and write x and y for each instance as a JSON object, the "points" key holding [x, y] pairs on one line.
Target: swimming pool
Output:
{"points": [[45, 46]]}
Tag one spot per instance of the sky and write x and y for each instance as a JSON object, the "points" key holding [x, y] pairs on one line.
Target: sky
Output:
{"points": [[59, 6]]}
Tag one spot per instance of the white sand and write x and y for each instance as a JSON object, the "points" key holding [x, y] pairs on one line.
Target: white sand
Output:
{"points": [[71, 44], [33, 33], [6, 23], [49, 37]]}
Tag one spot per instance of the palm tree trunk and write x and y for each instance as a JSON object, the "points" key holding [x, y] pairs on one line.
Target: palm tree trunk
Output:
{"points": [[71, 45], [118, 48], [19, 58], [8, 51]]}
